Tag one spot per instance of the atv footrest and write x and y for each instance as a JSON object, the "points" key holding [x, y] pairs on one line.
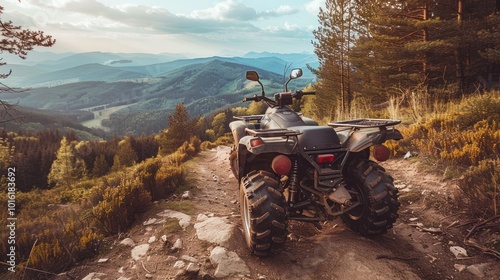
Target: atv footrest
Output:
{"points": [[272, 132], [365, 123]]}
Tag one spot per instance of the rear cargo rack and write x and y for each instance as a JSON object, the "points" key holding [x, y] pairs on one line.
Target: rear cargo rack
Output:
{"points": [[272, 132], [365, 123], [248, 118]]}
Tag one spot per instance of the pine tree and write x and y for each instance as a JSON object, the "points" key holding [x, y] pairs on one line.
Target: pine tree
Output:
{"points": [[6, 155], [101, 166], [126, 153], [178, 130], [491, 38], [17, 41], [66, 168], [334, 42], [431, 46]]}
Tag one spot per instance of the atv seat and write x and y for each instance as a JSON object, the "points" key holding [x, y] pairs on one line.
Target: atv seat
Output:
{"points": [[317, 137]]}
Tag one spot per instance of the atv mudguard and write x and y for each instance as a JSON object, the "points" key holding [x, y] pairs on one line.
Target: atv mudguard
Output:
{"points": [[271, 146], [359, 140]]}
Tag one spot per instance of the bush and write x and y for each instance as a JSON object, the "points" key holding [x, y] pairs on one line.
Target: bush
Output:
{"points": [[466, 136], [485, 178], [119, 205], [169, 178], [207, 145], [146, 172], [225, 140]]}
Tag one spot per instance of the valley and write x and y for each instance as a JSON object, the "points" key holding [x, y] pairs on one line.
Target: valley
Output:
{"points": [[142, 92]]}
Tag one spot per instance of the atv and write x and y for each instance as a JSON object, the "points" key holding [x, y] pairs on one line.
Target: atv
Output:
{"points": [[290, 168]]}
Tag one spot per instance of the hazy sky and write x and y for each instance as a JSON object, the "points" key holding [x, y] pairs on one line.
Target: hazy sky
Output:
{"points": [[201, 27]]}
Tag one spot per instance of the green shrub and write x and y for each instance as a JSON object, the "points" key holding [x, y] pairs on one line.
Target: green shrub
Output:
{"points": [[207, 145], [225, 140], [485, 178], [146, 172], [169, 178], [117, 210]]}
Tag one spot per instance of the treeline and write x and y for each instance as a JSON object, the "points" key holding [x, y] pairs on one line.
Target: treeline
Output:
{"points": [[34, 154], [370, 51]]}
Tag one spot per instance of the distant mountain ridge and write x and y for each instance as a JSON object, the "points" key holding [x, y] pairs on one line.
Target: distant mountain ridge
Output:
{"points": [[138, 97], [71, 68]]}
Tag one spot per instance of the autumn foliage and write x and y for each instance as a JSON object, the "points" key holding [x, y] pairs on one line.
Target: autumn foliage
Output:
{"points": [[466, 138]]}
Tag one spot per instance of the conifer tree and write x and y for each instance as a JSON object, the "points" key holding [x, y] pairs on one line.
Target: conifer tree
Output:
{"points": [[66, 168], [490, 35], [126, 154], [334, 42], [17, 41], [101, 166], [178, 130], [6, 153], [6, 158]]}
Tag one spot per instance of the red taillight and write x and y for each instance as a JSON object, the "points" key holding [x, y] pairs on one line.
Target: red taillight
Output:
{"points": [[281, 164], [327, 158], [381, 153], [256, 142]]}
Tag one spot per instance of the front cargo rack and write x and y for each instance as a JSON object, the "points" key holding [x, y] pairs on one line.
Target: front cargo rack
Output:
{"points": [[272, 132], [365, 123]]}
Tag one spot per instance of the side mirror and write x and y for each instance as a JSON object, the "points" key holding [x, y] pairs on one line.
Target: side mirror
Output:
{"points": [[296, 73], [252, 76]]}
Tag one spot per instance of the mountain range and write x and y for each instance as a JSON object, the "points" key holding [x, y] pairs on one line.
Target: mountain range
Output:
{"points": [[133, 93]]}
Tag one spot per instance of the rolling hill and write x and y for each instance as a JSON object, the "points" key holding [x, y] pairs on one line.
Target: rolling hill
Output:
{"points": [[143, 95]]}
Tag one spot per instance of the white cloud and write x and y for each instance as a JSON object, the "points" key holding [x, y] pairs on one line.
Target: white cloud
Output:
{"points": [[313, 6], [226, 10], [282, 10], [112, 24]]}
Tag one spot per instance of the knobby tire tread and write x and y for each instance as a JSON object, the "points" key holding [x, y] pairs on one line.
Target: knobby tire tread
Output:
{"points": [[267, 211]]}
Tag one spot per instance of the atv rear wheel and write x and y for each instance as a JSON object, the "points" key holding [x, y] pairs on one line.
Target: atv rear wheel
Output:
{"points": [[263, 212], [368, 183]]}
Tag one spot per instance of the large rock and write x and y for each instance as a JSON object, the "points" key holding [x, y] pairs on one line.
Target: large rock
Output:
{"points": [[223, 152], [215, 230], [140, 251], [184, 219], [228, 263], [128, 242]]}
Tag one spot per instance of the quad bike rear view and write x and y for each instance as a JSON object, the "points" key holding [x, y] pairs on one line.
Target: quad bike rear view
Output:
{"points": [[290, 168]]}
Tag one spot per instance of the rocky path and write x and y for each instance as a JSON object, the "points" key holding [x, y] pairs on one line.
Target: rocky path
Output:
{"points": [[198, 236]]}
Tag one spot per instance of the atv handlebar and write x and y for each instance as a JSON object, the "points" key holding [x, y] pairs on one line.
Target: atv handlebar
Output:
{"points": [[297, 95], [256, 98]]}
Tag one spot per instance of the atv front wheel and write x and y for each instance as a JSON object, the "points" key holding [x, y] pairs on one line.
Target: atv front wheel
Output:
{"points": [[369, 184], [263, 212]]}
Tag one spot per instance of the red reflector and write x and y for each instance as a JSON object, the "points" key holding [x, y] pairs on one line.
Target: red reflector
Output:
{"points": [[256, 142], [381, 153], [281, 164], [327, 158]]}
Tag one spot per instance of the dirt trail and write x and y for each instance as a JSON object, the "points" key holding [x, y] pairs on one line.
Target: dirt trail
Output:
{"points": [[408, 251]]}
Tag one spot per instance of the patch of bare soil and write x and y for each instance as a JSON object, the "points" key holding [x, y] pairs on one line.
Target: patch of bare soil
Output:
{"points": [[418, 247]]}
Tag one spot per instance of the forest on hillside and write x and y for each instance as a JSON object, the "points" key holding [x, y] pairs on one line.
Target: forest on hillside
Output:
{"points": [[372, 52]]}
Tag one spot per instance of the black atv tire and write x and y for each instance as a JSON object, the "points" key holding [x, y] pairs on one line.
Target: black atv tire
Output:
{"points": [[368, 183], [263, 212]]}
